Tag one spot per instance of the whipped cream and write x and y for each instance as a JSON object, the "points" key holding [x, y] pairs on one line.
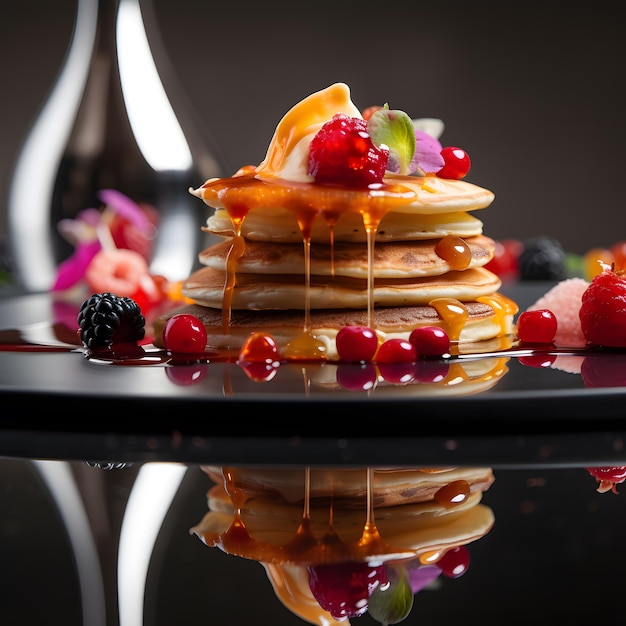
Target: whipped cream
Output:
{"points": [[288, 153]]}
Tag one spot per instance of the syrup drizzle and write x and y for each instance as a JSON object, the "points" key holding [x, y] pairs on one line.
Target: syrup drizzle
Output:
{"points": [[244, 192], [306, 545]]}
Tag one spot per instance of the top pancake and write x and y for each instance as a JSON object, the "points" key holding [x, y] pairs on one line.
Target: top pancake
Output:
{"points": [[417, 195]]}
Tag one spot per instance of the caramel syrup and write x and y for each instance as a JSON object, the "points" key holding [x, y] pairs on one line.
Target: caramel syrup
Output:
{"points": [[308, 202], [304, 546]]}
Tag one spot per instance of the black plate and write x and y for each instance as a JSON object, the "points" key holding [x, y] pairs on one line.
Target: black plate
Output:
{"points": [[59, 404]]}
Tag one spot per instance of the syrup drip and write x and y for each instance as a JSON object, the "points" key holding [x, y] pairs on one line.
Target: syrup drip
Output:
{"points": [[454, 315], [455, 251], [453, 494], [237, 249], [243, 192], [502, 307], [305, 546]]}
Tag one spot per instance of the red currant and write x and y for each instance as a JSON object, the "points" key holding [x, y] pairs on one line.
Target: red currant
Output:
{"points": [[396, 351], [184, 334], [538, 326], [430, 341], [343, 153], [361, 377], [456, 163], [356, 343], [369, 111], [504, 262], [454, 562], [259, 347]]}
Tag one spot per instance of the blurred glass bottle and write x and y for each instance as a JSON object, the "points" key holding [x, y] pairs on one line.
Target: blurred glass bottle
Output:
{"points": [[110, 123]]}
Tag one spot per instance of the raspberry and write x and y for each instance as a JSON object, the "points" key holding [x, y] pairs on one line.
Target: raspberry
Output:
{"points": [[106, 319], [603, 310], [343, 153], [608, 477], [344, 589]]}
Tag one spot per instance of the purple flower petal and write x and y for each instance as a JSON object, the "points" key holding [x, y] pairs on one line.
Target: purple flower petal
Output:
{"points": [[127, 208], [427, 157], [420, 577]]}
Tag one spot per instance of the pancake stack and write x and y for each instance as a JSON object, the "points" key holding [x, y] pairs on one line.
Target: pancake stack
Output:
{"points": [[299, 259], [298, 523]]}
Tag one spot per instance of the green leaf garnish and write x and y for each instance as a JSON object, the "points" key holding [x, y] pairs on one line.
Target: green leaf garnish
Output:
{"points": [[395, 130], [394, 603]]}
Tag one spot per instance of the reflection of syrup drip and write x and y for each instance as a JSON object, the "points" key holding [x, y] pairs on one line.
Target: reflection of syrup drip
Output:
{"points": [[307, 547]]}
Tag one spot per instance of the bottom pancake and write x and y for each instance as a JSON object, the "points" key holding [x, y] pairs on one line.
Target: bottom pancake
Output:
{"points": [[464, 322]]}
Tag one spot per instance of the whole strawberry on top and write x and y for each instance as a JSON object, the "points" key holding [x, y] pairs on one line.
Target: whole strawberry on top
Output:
{"points": [[603, 309]]}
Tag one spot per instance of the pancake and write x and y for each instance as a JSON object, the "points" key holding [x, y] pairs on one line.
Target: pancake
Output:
{"points": [[416, 195], [288, 291], [479, 322], [390, 260], [297, 523], [279, 225], [422, 518], [390, 486]]}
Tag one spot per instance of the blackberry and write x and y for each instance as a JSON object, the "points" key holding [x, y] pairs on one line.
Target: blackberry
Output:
{"points": [[106, 319], [542, 258]]}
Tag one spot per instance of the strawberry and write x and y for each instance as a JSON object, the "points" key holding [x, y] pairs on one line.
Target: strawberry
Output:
{"points": [[603, 310]]}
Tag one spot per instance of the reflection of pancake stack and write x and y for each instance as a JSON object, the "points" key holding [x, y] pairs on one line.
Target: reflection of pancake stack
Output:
{"points": [[314, 525], [299, 255]]}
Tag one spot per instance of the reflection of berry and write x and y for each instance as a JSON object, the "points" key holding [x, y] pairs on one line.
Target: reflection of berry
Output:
{"points": [[608, 477], [603, 310], [454, 562], [542, 258], [604, 370], [342, 153], [344, 589], [106, 319]]}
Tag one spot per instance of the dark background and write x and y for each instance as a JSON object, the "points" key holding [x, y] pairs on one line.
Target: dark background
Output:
{"points": [[533, 91]]}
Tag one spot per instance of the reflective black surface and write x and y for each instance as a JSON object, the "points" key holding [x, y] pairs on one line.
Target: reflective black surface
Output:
{"points": [[554, 555]]}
